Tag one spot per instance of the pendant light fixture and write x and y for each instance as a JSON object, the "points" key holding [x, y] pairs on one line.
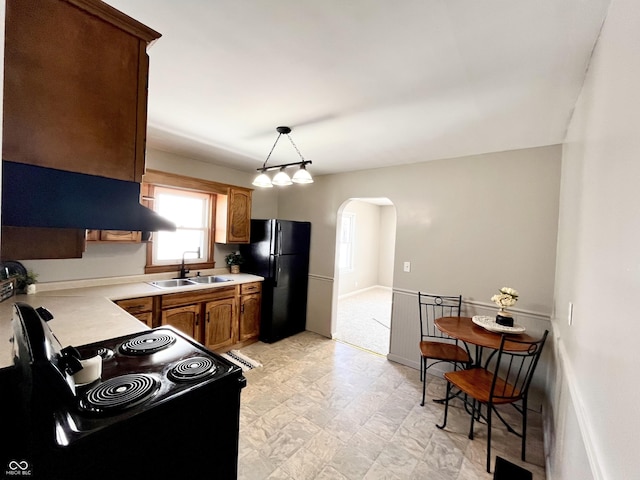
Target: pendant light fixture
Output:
{"points": [[282, 177]]}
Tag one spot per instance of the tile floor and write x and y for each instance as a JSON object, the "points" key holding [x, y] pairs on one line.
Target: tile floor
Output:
{"points": [[321, 409]]}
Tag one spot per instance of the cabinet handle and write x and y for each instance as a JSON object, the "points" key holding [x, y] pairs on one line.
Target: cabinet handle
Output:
{"points": [[208, 313], [197, 319]]}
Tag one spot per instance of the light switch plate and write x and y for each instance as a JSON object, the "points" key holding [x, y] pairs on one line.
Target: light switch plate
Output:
{"points": [[407, 266]]}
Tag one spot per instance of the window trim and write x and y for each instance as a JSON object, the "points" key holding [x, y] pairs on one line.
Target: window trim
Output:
{"points": [[153, 178], [206, 227]]}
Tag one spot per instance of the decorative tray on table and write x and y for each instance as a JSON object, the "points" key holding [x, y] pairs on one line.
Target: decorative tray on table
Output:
{"points": [[490, 324]]}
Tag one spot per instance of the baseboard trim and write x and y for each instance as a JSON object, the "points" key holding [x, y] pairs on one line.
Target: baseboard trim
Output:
{"points": [[362, 290]]}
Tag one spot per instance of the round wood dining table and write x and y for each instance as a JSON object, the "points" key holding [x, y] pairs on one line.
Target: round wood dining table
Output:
{"points": [[464, 329]]}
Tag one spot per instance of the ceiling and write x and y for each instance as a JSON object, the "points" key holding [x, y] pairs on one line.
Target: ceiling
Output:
{"points": [[362, 83]]}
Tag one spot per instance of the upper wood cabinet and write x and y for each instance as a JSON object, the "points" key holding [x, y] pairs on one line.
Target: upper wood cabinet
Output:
{"points": [[75, 99], [233, 216], [114, 236], [75, 87]]}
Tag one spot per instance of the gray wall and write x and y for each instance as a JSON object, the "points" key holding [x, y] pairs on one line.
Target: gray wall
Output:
{"points": [[387, 245], [592, 428], [468, 225]]}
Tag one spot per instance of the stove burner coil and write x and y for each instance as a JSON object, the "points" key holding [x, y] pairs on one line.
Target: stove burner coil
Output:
{"points": [[192, 368], [119, 393], [147, 343]]}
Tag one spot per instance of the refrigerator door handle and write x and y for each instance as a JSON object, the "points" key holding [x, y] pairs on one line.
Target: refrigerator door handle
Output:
{"points": [[279, 252], [277, 271]]}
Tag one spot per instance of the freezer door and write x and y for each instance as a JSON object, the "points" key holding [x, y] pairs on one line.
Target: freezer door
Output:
{"points": [[291, 237], [258, 254]]}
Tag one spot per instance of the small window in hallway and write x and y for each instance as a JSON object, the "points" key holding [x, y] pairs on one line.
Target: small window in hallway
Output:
{"points": [[347, 230]]}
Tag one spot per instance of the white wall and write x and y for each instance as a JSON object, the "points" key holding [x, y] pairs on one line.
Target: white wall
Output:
{"points": [[366, 248], [595, 390]]}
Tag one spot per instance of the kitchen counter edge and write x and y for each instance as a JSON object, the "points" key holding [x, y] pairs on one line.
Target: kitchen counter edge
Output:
{"points": [[85, 315]]}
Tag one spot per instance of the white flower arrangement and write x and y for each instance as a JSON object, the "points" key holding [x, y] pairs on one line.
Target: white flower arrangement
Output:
{"points": [[506, 298]]}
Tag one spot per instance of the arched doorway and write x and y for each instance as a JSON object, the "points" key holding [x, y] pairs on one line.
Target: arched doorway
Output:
{"points": [[365, 250]]}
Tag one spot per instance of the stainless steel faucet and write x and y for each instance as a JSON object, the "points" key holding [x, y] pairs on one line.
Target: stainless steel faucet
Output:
{"points": [[184, 271]]}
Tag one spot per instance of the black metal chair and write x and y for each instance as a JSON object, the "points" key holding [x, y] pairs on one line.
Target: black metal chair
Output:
{"points": [[505, 379], [436, 346]]}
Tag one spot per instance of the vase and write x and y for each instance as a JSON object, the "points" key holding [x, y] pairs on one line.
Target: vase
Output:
{"points": [[504, 318], [31, 289], [235, 268]]}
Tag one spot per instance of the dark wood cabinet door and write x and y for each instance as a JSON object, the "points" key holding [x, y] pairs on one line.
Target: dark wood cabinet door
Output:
{"points": [[75, 88], [249, 316], [75, 99], [186, 319], [239, 215], [233, 216], [220, 323]]}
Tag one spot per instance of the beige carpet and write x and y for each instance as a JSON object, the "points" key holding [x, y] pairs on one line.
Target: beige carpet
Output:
{"points": [[364, 319]]}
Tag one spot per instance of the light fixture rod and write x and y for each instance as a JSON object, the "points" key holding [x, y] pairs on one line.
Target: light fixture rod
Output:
{"points": [[284, 165]]}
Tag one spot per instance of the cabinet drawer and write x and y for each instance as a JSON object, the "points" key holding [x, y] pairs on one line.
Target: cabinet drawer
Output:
{"points": [[136, 305], [146, 318], [253, 287], [177, 299]]}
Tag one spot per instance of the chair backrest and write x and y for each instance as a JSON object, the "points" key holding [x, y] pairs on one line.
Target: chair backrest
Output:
{"points": [[513, 367], [436, 306]]}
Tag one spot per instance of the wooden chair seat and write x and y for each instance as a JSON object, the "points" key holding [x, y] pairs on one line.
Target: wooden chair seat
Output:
{"points": [[477, 383], [447, 352]]}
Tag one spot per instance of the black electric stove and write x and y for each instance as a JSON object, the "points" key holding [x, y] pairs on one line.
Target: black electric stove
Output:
{"points": [[163, 407]]}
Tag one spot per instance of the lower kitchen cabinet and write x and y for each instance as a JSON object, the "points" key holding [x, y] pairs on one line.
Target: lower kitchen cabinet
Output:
{"points": [[141, 308], [249, 323], [186, 319], [221, 318], [220, 329]]}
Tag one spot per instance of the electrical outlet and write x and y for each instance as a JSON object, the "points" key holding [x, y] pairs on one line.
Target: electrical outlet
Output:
{"points": [[570, 316], [407, 266]]}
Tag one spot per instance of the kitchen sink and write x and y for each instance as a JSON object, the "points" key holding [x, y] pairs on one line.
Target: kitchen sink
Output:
{"points": [[209, 279], [175, 282], [188, 282]]}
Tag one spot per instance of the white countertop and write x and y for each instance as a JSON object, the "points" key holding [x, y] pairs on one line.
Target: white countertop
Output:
{"points": [[87, 314]]}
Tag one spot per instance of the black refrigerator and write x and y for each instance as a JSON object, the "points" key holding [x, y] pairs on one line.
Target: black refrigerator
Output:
{"points": [[279, 252]]}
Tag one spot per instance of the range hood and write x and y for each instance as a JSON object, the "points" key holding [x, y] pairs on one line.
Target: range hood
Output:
{"points": [[35, 196]]}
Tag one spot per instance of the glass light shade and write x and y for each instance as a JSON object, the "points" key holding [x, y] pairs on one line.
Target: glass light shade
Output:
{"points": [[302, 176], [281, 178], [263, 180]]}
